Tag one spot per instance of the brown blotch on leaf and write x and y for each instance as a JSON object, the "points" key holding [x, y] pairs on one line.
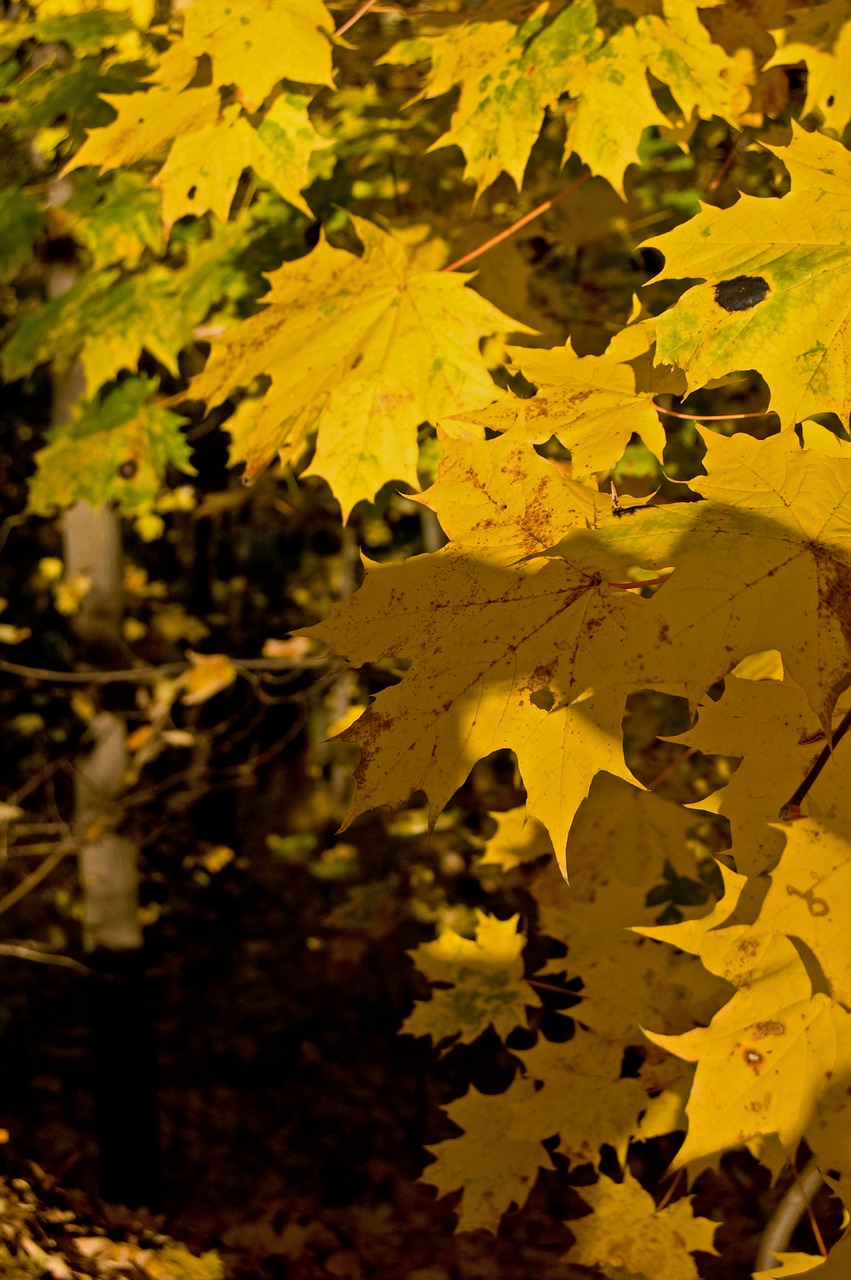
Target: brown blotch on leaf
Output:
{"points": [[763, 1029]]}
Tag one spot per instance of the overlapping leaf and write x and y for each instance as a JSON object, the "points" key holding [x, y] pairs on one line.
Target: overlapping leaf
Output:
{"points": [[106, 320], [593, 404], [486, 977], [494, 1169], [582, 1097], [511, 65], [210, 145], [118, 449], [764, 564], [777, 279], [768, 1053], [626, 1236], [784, 1038], [748, 722], [820, 36], [359, 352]]}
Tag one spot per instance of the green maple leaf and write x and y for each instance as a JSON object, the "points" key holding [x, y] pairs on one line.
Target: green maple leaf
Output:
{"points": [[116, 218], [106, 320], [117, 449], [21, 222]]}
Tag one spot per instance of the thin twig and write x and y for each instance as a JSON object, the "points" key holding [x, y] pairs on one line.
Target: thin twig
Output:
{"points": [[43, 957], [365, 8], [35, 877], [728, 160], [671, 768], [550, 986], [807, 1199], [32, 850], [515, 226], [148, 675]]}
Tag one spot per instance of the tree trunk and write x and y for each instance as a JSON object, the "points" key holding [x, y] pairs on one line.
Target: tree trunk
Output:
{"points": [[121, 1031]]}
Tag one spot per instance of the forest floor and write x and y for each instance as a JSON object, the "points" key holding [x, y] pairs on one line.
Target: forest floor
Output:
{"points": [[294, 1116]]}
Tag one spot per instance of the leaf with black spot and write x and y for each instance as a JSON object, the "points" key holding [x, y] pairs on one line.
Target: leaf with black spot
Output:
{"points": [[741, 293]]}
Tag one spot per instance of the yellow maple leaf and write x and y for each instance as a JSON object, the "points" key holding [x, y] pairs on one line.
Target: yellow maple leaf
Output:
{"points": [[204, 166], [256, 43], [820, 36], [611, 85], [770, 569], [582, 1097], [775, 298], [517, 839], [502, 658], [360, 351], [145, 123], [208, 674], [808, 897], [768, 1054], [511, 64], [627, 1235], [494, 1169], [748, 722], [625, 982], [502, 500], [486, 974], [593, 404]]}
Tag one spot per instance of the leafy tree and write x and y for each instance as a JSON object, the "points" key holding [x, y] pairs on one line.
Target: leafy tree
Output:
{"points": [[642, 492]]}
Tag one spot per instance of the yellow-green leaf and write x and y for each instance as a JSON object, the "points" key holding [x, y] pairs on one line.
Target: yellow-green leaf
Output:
{"points": [[777, 283]]}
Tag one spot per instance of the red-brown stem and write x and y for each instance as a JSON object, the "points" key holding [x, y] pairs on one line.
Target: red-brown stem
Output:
{"points": [[709, 417], [350, 22], [515, 226]]}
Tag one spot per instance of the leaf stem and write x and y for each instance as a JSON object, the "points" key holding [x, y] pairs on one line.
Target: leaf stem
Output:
{"points": [[515, 226], [788, 809], [709, 417]]}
